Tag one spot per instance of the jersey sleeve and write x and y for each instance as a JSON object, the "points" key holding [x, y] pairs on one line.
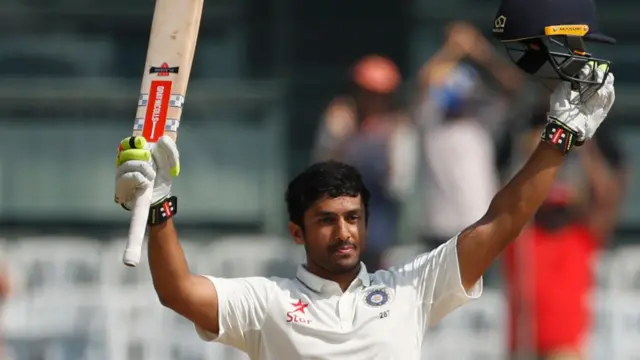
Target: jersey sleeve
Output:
{"points": [[436, 277], [242, 305]]}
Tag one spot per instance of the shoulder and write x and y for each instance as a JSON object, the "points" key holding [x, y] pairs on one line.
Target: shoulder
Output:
{"points": [[428, 262], [277, 286], [398, 276], [284, 284], [257, 285]]}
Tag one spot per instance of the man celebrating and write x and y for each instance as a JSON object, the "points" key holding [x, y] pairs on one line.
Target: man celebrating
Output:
{"points": [[333, 308]]}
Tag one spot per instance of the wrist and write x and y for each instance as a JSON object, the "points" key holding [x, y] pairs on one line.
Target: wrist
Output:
{"points": [[159, 227], [547, 150], [559, 136], [163, 210]]}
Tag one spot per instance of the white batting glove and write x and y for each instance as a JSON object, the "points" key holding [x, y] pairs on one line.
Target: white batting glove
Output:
{"points": [[583, 118], [140, 166]]}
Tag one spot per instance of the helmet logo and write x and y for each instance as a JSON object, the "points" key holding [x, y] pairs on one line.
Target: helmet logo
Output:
{"points": [[567, 30], [499, 23]]}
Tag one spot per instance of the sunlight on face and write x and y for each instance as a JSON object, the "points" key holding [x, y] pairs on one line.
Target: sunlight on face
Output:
{"points": [[335, 233]]}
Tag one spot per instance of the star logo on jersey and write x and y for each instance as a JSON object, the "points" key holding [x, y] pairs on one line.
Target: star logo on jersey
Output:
{"points": [[298, 308]]}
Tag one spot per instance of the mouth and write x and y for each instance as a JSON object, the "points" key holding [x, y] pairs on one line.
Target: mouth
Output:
{"points": [[345, 250]]}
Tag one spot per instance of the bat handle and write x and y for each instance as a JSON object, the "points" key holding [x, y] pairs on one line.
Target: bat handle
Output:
{"points": [[137, 228]]}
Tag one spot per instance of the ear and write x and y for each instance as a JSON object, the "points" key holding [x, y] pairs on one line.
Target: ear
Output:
{"points": [[296, 233]]}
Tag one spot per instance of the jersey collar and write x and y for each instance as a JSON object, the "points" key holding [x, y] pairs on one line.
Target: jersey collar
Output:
{"points": [[320, 285]]}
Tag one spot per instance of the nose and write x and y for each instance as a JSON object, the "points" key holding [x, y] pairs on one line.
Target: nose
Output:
{"points": [[343, 231]]}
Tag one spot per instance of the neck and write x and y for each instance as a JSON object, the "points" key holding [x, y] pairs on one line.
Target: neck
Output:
{"points": [[343, 279]]}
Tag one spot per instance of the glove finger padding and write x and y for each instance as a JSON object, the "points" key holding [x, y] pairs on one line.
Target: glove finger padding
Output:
{"points": [[602, 101], [144, 168], [135, 172], [583, 118], [605, 96], [140, 166], [132, 179], [563, 111], [606, 93], [166, 156]]}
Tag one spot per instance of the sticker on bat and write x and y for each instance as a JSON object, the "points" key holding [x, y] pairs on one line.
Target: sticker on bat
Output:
{"points": [[138, 124], [156, 116], [176, 100], [172, 125], [164, 69], [143, 100]]}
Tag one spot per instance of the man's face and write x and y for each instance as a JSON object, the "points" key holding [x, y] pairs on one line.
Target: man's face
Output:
{"points": [[334, 233]]}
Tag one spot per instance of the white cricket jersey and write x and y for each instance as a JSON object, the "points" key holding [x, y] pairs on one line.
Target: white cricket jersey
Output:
{"points": [[381, 316]]}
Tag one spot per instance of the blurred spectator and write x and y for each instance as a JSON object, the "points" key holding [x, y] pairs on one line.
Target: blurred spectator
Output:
{"points": [[466, 93], [5, 289], [549, 269], [369, 130]]}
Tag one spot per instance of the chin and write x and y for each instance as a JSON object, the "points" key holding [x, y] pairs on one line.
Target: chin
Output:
{"points": [[345, 264]]}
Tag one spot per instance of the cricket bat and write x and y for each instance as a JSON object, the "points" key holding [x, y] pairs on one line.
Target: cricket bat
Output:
{"points": [[172, 43]]}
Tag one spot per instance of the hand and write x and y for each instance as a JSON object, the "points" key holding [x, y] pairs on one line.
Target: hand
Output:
{"points": [[340, 119], [139, 166], [583, 118]]}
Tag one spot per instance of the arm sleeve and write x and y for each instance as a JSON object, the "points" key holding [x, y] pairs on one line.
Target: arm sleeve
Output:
{"points": [[404, 150], [474, 174], [242, 305], [436, 277]]}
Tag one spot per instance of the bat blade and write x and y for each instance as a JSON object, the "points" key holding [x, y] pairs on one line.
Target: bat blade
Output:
{"points": [[172, 43]]}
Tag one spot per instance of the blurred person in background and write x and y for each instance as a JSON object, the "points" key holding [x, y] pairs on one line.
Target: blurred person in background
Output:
{"points": [[550, 269], [5, 290], [466, 93], [368, 129]]}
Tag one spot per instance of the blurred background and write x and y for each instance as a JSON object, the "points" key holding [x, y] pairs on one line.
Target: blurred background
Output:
{"points": [[429, 110]]}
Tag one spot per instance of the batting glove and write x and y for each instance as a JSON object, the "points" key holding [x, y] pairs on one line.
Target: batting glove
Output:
{"points": [[140, 166], [583, 119]]}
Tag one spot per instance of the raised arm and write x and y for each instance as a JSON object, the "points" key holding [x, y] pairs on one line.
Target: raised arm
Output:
{"points": [[338, 122], [515, 204], [230, 311], [509, 212], [139, 166], [191, 296], [464, 41]]}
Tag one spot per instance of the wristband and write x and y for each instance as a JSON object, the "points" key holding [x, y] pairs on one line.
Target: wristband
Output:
{"points": [[162, 211], [559, 136]]}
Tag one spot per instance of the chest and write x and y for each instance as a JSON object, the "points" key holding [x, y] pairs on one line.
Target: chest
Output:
{"points": [[371, 323]]}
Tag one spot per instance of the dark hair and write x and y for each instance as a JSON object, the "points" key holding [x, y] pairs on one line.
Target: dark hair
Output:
{"points": [[328, 178]]}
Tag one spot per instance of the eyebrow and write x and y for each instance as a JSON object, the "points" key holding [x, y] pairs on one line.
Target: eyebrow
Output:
{"points": [[321, 213]]}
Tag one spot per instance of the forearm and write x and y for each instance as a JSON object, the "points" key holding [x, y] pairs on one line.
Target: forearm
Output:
{"points": [[510, 210], [169, 269], [517, 202]]}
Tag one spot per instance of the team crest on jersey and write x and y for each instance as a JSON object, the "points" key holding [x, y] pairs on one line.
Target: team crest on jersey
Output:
{"points": [[378, 297]]}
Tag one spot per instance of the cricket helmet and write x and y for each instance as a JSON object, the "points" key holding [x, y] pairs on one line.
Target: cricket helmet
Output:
{"points": [[546, 38]]}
